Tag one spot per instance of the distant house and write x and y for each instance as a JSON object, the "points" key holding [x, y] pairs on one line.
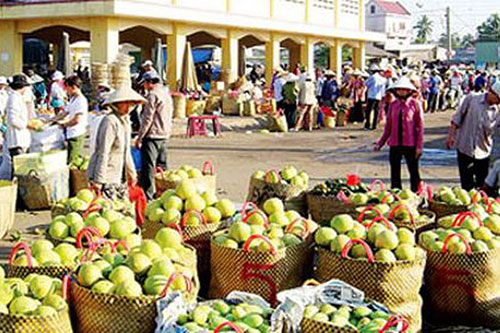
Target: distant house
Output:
{"points": [[393, 19]]}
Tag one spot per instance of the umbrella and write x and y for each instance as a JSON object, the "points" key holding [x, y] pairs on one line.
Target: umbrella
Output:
{"points": [[189, 81], [158, 58], [64, 61]]}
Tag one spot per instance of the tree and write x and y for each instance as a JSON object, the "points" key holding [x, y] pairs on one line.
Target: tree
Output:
{"points": [[467, 41], [455, 40], [490, 29], [424, 29]]}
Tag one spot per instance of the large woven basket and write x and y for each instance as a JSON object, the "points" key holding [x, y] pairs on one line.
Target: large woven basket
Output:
{"points": [[260, 273], [78, 180], [312, 326], [208, 182], [8, 191], [396, 285], [442, 209], [179, 101], [463, 289], [57, 323], [324, 208]]}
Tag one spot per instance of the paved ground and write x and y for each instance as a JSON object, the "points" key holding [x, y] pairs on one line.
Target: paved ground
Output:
{"points": [[328, 153]]}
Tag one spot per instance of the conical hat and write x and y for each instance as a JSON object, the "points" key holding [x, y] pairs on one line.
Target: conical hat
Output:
{"points": [[124, 94], [404, 83]]}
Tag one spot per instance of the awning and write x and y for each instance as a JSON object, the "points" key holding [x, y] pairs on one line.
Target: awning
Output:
{"points": [[377, 52]]}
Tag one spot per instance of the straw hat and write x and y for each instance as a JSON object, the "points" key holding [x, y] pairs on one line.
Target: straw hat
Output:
{"points": [[3, 80], [57, 76], [404, 83], [124, 94], [329, 72]]}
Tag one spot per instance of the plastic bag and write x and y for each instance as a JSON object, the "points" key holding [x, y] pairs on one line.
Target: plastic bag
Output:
{"points": [[137, 196]]}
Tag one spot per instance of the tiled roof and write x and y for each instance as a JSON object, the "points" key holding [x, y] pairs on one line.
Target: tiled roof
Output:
{"points": [[392, 7]]}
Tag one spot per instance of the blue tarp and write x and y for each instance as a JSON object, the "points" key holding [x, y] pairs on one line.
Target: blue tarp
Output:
{"points": [[202, 55]]}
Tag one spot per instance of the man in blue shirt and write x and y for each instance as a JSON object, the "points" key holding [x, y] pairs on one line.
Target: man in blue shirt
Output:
{"points": [[375, 90], [480, 82], [330, 90], [434, 84]]}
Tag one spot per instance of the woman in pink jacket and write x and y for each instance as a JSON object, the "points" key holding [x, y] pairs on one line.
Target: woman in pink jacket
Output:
{"points": [[404, 133]]}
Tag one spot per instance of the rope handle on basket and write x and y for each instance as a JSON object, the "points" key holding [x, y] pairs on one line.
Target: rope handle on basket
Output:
{"points": [[379, 219], [350, 244], [380, 183], [393, 321], [483, 195], [271, 172], [27, 251], [246, 245], [87, 232], [210, 166], [161, 171], [190, 213], [468, 249], [65, 287], [173, 277], [384, 199], [311, 282], [121, 242], [460, 218], [228, 324], [489, 209], [303, 221], [244, 208], [257, 212], [404, 207], [177, 228], [89, 252], [429, 191], [365, 210], [93, 207]]}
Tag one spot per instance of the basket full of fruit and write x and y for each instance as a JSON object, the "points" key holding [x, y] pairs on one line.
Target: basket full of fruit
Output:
{"points": [[204, 179], [117, 293], [289, 185], [448, 201], [365, 253], [37, 303], [262, 253], [78, 174], [462, 273]]}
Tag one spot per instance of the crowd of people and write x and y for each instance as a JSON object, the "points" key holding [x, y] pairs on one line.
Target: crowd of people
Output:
{"points": [[394, 97]]}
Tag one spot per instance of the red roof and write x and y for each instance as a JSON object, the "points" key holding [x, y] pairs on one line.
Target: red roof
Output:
{"points": [[392, 7]]}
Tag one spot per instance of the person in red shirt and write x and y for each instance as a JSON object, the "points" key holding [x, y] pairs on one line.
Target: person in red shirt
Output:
{"points": [[404, 133]]}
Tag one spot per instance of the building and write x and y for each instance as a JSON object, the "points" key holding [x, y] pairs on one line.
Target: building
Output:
{"points": [[232, 25], [391, 18]]}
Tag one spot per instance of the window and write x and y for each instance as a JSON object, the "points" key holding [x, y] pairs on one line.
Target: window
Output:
{"points": [[402, 26], [372, 9]]}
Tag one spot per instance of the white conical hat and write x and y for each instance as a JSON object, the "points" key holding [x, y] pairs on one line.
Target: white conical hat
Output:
{"points": [[404, 83], [124, 94]]}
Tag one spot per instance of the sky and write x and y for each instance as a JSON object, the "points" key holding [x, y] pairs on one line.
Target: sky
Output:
{"points": [[466, 15]]}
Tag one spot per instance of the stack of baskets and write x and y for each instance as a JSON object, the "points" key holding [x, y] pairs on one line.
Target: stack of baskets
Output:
{"points": [[120, 71]]}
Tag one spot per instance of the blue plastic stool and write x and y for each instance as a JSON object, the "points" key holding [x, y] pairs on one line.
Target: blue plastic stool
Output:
{"points": [[136, 156]]}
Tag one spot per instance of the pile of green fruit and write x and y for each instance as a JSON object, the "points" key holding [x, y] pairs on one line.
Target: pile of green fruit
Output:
{"points": [[401, 211], [86, 199], [282, 228], [480, 234], [289, 175], [171, 206], [184, 172], [363, 318], [455, 196], [111, 224], [210, 315], [147, 269], [80, 163], [332, 187], [36, 295], [383, 239], [44, 254]]}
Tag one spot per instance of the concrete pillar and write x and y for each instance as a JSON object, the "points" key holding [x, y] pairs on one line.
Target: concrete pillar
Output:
{"points": [[307, 5], [242, 62], [362, 15], [307, 54], [272, 57], [359, 56], [230, 57], [176, 43], [336, 59], [11, 49], [104, 39]]}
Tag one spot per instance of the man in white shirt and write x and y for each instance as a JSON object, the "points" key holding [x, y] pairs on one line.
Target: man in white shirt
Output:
{"points": [[375, 90]]}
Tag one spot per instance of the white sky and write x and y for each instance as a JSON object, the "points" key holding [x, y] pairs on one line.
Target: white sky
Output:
{"points": [[466, 15]]}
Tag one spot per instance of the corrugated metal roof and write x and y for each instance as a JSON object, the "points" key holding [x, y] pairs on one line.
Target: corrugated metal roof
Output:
{"points": [[392, 7]]}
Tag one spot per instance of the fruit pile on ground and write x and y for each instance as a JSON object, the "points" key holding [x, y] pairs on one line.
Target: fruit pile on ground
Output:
{"points": [[210, 315], [383, 239], [289, 175], [43, 253], [147, 270], [458, 232], [282, 228], [86, 199], [365, 318], [36, 295], [173, 204], [184, 172]]}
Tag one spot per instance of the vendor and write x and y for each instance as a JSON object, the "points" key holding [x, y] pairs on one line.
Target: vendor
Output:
{"points": [[74, 118], [57, 95], [111, 163]]}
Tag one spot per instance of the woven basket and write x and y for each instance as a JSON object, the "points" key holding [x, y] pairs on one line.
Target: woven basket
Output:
{"points": [[95, 312], [57, 210], [57, 323], [442, 209], [8, 191], [249, 109], [260, 273], [396, 285], [324, 208], [78, 180], [208, 182], [463, 289], [179, 101], [42, 190]]}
